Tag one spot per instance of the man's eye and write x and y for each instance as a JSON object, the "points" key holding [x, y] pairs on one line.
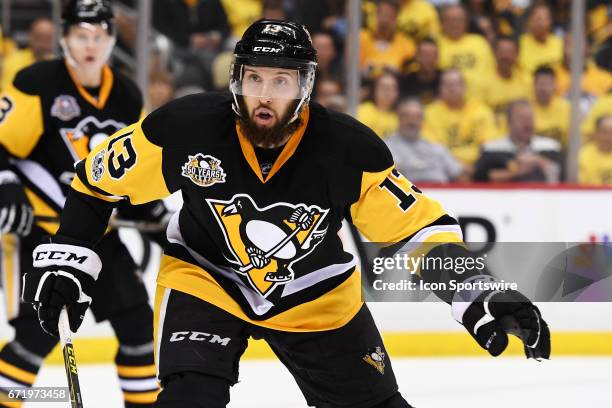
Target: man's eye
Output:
{"points": [[281, 81], [253, 78]]}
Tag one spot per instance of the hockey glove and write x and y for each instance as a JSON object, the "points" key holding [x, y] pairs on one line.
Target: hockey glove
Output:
{"points": [[16, 214], [64, 276], [489, 316]]}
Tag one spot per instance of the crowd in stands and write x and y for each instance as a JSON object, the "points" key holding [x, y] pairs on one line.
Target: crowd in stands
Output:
{"points": [[460, 90]]}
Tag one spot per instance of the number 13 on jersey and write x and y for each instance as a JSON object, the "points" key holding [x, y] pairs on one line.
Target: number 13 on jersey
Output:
{"points": [[392, 184]]}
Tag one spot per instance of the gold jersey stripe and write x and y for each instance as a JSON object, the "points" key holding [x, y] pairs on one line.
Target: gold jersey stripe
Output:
{"points": [[21, 126], [137, 371], [105, 87], [12, 404], [340, 304], [10, 250], [140, 397], [17, 373], [141, 183]]}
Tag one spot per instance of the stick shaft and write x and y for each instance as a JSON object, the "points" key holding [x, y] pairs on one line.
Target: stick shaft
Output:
{"points": [[72, 374]]}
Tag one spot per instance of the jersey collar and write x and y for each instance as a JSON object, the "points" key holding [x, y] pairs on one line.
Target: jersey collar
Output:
{"points": [[105, 87], [249, 152]]}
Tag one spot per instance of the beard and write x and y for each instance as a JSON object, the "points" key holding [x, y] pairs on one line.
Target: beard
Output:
{"points": [[267, 137]]}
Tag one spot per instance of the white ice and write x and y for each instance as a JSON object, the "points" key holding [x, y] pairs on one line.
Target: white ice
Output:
{"points": [[564, 382]]}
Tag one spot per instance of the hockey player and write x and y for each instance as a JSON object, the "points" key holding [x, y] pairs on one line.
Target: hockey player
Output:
{"points": [[267, 178], [50, 117]]}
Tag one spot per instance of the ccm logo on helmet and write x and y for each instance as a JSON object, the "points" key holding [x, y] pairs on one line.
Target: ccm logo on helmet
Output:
{"points": [[199, 336], [267, 49]]}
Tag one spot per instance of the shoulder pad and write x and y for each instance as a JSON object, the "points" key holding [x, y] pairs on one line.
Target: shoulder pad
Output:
{"points": [[36, 78], [188, 118], [364, 148]]}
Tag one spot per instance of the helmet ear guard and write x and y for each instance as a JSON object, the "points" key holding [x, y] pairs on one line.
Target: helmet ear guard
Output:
{"points": [[273, 43]]}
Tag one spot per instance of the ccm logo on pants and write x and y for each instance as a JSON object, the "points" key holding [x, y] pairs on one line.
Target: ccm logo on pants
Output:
{"points": [[199, 336]]}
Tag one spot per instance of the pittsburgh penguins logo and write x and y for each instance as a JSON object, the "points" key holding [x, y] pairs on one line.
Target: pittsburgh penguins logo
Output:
{"points": [[266, 242], [376, 358], [87, 134]]}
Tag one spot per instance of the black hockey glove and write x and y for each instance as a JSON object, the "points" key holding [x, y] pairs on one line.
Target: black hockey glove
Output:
{"points": [[64, 275], [489, 316], [16, 214]]}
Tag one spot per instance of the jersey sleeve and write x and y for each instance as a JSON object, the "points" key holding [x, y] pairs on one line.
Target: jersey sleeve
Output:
{"points": [[21, 121], [126, 166], [391, 209]]}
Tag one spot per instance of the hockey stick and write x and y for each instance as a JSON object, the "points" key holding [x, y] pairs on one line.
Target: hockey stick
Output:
{"points": [[72, 374]]}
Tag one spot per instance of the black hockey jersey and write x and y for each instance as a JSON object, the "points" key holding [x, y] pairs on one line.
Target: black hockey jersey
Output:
{"points": [[264, 249], [48, 122]]}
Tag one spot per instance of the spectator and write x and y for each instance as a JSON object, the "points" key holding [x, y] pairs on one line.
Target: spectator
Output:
{"points": [[41, 45], [470, 53], [595, 158], [595, 81], [459, 123], [326, 88], [241, 14], [481, 18], [423, 77], [337, 103], [507, 82], [602, 107], [379, 114], [417, 159], [327, 15], [329, 66], [521, 156], [198, 29], [552, 113], [538, 46], [161, 90], [418, 19], [385, 47], [273, 10]]}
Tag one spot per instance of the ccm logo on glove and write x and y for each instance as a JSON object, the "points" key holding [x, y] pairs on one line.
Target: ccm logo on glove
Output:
{"points": [[59, 255]]}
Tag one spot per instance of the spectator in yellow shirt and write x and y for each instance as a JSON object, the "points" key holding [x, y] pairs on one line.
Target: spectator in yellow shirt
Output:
{"points": [[470, 53], [417, 19], [507, 83], [603, 106], [552, 113], [459, 123], [595, 81], [41, 41], [539, 46], [241, 14], [595, 158], [379, 114], [385, 47]]}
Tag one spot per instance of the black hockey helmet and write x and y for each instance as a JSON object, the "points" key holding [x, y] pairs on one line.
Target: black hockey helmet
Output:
{"points": [[275, 43], [88, 11]]}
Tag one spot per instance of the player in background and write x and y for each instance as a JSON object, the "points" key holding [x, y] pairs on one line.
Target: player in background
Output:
{"points": [[267, 178], [51, 116]]}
